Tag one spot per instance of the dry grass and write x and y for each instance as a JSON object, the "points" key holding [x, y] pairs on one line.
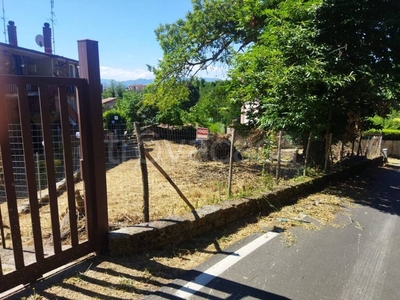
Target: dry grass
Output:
{"points": [[202, 183]]}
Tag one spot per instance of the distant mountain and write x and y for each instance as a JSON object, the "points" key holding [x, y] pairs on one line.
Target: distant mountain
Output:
{"points": [[211, 79], [107, 82]]}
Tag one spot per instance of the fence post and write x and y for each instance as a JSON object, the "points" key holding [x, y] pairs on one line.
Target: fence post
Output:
{"points": [[328, 145], [145, 177], [307, 154], [231, 163], [38, 175], [92, 146], [278, 167]]}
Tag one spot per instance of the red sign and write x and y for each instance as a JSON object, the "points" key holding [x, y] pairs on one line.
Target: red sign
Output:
{"points": [[201, 133]]}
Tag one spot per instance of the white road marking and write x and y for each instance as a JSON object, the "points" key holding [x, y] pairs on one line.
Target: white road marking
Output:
{"points": [[202, 280]]}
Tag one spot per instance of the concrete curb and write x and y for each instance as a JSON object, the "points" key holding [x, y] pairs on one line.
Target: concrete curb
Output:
{"points": [[176, 229]]}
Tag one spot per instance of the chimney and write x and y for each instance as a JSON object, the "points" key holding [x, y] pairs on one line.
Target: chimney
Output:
{"points": [[47, 38], [12, 33]]}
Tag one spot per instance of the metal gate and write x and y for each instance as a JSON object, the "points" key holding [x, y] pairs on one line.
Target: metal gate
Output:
{"points": [[24, 258]]}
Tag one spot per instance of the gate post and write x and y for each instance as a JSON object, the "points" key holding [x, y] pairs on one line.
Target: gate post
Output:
{"points": [[92, 145]]}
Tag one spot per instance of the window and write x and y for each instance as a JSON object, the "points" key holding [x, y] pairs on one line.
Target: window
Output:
{"points": [[72, 71]]}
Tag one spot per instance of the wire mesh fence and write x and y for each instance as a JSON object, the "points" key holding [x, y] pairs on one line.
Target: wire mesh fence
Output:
{"points": [[17, 155], [200, 168]]}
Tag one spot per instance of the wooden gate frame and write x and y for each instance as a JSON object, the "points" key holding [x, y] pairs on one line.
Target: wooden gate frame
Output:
{"points": [[92, 169]]}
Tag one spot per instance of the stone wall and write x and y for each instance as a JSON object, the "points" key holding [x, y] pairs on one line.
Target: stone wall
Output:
{"points": [[393, 148], [176, 229]]}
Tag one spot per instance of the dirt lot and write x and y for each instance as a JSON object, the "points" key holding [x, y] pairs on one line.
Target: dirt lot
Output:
{"points": [[202, 183]]}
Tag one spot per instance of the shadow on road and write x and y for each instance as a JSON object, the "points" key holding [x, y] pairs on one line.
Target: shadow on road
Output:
{"points": [[229, 290], [138, 275], [378, 188]]}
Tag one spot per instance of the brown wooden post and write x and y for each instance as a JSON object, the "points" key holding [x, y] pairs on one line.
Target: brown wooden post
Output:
{"points": [[92, 146], [327, 151], [145, 177], [359, 150], [327, 137], [231, 162], [307, 154], [278, 167], [342, 149]]}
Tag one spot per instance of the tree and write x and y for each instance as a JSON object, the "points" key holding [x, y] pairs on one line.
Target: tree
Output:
{"points": [[392, 121], [116, 89], [114, 121], [128, 105], [209, 35], [320, 66], [132, 108], [172, 101], [214, 106]]}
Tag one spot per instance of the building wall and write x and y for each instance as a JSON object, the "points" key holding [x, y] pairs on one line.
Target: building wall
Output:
{"points": [[393, 148]]}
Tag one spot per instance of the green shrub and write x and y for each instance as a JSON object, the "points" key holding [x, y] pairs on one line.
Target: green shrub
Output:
{"points": [[387, 134]]}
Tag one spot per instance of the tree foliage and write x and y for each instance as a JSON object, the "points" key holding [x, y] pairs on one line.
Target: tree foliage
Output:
{"points": [[129, 106], [116, 89], [392, 121], [112, 117], [214, 105], [320, 66], [133, 109], [210, 34]]}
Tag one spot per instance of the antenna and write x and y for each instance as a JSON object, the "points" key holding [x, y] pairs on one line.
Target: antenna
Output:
{"points": [[52, 25], [4, 22]]}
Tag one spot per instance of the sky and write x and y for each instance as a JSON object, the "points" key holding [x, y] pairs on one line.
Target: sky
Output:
{"points": [[123, 28]]}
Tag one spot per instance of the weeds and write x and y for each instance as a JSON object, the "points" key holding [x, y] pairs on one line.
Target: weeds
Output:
{"points": [[126, 284]]}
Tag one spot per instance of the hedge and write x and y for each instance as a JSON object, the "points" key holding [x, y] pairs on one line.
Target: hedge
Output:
{"points": [[387, 134]]}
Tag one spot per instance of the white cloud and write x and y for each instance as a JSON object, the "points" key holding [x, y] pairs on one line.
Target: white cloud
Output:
{"points": [[121, 74]]}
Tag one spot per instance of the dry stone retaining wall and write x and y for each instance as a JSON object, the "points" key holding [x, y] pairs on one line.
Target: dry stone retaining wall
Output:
{"points": [[176, 229]]}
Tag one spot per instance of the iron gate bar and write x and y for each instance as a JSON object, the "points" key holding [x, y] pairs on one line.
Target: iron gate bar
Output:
{"points": [[1, 268], [38, 80], [23, 105], [91, 143], [84, 161], [44, 101], [9, 184], [68, 164], [33, 272]]}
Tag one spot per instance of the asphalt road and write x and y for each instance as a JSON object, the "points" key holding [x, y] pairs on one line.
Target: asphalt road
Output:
{"points": [[359, 260]]}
